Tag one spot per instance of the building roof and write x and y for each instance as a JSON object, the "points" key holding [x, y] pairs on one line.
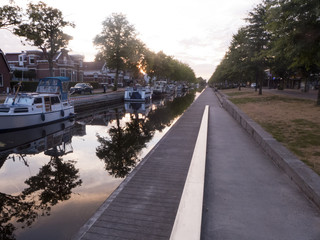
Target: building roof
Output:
{"points": [[93, 66], [4, 60]]}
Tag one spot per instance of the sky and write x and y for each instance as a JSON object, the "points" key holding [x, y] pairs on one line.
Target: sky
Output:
{"points": [[195, 32]]}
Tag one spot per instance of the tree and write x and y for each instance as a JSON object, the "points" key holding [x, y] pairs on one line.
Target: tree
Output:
{"points": [[164, 67], [295, 29], [118, 44], [10, 16], [44, 29], [258, 39], [237, 65], [247, 54]]}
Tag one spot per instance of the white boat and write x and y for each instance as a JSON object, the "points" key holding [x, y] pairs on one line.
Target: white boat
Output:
{"points": [[49, 104], [160, 88], [138, 94], [172, 88]]}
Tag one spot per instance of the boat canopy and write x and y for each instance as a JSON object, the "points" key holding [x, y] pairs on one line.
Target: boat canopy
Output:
{"points": [[57, 85]]}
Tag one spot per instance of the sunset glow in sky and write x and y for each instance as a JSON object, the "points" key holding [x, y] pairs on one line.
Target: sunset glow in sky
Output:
{"points": [[196, 32]]}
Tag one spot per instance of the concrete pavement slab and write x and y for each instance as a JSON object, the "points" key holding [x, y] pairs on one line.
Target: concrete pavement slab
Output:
{"points": [[246, 195]]}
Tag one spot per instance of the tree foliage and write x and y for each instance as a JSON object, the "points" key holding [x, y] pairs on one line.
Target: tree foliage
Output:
{"points": [[119, 47], [118, 44], [44, 29], [10, 16], [282, 36], [163, 67]]}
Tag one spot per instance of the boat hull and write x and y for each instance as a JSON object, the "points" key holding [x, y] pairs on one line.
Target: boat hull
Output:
{"points": [[137, 96], [27, 120]]}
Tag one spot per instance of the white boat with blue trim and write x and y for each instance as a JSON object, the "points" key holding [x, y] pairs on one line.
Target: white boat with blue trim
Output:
{"points": [[48, 104], [138, 93]]}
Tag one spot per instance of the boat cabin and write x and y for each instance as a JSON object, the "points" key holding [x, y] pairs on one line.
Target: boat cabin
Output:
{"points": [[54, 85]]}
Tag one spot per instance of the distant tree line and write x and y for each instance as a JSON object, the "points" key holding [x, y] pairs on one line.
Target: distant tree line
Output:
{"points": [[281, 37], [42, 26], [122, 50]]}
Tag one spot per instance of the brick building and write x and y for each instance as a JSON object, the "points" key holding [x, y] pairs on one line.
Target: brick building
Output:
{"points": [[4, 73], [32, 65]]}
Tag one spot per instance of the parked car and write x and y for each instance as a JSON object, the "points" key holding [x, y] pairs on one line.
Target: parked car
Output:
{"points": [[81, 88], [253, 85]]}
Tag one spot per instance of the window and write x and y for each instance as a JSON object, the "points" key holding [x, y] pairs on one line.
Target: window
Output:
{"points": [[1, 80], [55, 100], [37, 100], [32, 60], [69, 74], [21, 60], [62, 72]]}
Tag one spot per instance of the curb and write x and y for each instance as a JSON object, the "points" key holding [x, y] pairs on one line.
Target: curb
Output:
{"points": [[187, 224], [306, 179]]}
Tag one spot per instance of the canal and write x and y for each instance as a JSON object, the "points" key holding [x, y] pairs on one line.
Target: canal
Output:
{"points": [[53, 178]]}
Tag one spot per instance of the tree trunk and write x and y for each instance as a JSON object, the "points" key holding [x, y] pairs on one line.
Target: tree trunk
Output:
{"points": [[115, 87], [260, 88], [318, 101], [50, 67], [259, 81]]}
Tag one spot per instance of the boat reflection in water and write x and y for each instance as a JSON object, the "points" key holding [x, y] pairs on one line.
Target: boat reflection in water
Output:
{"points": [[109, 139], [53, 183]]}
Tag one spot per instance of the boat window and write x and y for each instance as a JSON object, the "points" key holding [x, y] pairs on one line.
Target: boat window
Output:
{"points": [[55, 100], [25, 100], [9, 100], [47, 89], [20, 110], [37, 100]]}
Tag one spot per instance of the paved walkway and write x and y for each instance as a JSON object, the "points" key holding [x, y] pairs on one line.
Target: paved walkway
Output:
{"points": [[245, 197], [297, 93]]}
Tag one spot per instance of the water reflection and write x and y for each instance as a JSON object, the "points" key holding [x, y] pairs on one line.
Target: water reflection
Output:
{"points": [[120, 149], [122, 132], [52, 184]]}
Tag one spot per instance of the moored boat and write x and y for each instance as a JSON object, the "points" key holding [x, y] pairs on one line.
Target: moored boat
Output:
{"points": [[48, 104], [160, 88], [138, 94]]}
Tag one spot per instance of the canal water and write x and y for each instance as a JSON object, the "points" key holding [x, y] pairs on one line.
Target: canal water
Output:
{"points": [[53, 178]]}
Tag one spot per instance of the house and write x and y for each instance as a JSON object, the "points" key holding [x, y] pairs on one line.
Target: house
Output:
{"points": [[98, 72], [95, 72], [4, 73], [32, 65]]}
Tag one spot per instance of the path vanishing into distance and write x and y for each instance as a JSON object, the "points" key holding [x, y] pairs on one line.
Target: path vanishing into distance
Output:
{"points": [[245, 194]]}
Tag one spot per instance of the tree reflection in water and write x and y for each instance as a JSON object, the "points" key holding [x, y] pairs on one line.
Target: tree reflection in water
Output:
{"points": [[120, 150], [52, 184]]}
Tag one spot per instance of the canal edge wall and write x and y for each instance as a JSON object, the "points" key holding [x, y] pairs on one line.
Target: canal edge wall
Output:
{"points": [[305, 178], [83, 103]]}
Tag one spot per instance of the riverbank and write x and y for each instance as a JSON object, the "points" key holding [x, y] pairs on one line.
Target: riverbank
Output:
{"points": [[99, 98], [291, 117]]}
